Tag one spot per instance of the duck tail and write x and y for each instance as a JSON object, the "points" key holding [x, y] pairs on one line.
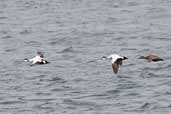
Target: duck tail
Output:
{"points": [[161, 59], [46, 62]]}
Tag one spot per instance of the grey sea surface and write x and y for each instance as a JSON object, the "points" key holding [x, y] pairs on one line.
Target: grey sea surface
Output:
{"points": [[74, 35]]}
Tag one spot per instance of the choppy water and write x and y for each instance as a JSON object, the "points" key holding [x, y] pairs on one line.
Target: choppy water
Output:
{"points": [[75, 34]]}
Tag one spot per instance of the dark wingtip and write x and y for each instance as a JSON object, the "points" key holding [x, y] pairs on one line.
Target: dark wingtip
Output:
{"points": [[115, 72]]}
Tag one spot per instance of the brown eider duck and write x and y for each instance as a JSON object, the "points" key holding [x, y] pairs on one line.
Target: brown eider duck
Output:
{"points": [[151, 58]]}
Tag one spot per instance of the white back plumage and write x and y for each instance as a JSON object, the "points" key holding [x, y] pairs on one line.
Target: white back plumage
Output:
{"points": [[114, 57], [36, 59]]}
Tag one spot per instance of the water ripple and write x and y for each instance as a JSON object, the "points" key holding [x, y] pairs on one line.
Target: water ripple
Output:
{"points": [[75, 34]]}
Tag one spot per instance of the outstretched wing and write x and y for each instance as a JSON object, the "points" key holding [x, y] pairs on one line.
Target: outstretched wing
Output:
{"points": [[115, 68]]}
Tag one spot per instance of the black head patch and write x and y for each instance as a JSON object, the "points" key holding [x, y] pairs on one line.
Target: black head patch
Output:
{"points": [[119, 61], [124, 58]]}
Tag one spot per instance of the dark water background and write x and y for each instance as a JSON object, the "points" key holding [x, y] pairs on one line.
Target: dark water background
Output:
{"points": [[74, 35]]}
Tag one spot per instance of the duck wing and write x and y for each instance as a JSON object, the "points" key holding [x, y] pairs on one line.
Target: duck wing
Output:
{"points": [[115, 67]]}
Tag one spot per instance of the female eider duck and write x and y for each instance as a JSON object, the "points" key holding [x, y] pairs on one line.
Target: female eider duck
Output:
{"points": [[151, 58], [38, 59], [116, 61]]}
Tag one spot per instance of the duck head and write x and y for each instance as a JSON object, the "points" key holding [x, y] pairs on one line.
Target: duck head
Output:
{"points": [[141, 57], [40, 54]]}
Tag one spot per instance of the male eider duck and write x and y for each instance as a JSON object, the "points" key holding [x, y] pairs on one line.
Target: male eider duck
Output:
{"points": [[151, 58], [116, 61], [38, 59]]}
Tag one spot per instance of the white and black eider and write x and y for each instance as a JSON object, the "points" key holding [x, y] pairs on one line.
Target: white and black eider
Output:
{"points": [[38, 59], [116, 61]]}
